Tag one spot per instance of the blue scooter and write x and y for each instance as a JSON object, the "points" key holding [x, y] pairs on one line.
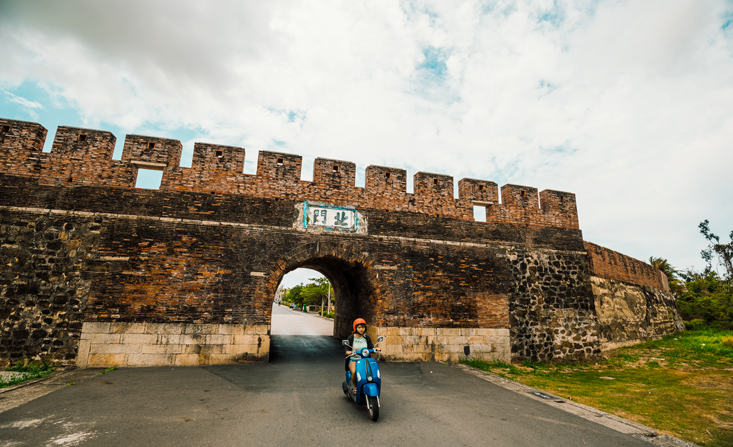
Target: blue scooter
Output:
{"points": [[368, 380]]}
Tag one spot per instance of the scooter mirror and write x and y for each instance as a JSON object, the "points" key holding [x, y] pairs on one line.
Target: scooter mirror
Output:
{"points": [[379, 339], [345, 342]]}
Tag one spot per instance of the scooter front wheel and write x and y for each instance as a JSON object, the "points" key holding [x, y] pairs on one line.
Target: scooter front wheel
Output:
{"points": [[373, 408]]}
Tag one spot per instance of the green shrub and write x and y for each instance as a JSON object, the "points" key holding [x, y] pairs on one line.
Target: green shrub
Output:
{"points": [[707, 302], [696, 324], [727, 342]]}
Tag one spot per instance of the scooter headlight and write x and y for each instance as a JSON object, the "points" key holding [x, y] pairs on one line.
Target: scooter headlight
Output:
{"points": [[365, 352]]}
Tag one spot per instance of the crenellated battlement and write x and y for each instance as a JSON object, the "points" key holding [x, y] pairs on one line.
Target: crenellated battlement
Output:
{"points": [[83, 157]]}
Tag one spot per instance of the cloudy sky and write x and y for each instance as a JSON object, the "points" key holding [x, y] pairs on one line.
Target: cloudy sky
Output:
{"points": [[628, 104]]}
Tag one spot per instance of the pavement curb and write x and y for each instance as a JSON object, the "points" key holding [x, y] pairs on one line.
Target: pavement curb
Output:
{"points": [[592, 414]]}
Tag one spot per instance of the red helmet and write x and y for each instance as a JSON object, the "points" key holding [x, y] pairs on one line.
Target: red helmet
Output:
{"points": [[359, 321]]}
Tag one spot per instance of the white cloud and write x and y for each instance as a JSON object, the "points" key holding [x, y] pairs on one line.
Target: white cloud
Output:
{"points": [[625, 103], [25, 103]]}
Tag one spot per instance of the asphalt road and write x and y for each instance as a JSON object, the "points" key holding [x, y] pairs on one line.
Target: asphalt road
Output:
{"points": [[286, 321], [296, 399]]}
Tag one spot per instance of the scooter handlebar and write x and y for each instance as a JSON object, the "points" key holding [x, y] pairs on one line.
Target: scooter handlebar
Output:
{"points": [[370, 351], [361, 353]]}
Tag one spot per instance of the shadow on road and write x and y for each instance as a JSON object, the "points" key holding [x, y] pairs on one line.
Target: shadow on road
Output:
{"points": [[305, 348]]}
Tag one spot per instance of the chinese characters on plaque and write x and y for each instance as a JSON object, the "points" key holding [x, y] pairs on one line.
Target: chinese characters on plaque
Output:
{"points": [[331, 217]]}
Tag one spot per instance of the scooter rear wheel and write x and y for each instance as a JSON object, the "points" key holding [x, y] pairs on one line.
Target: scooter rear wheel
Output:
{"points": [[373, 408]]}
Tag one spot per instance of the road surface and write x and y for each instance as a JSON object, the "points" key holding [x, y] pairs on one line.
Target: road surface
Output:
{"points": [[296, 399]]}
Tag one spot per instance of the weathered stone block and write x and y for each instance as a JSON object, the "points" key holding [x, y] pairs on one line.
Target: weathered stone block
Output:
{"points": [[139, 339], [218, 339], [450, 332], [256, 329], [246, 340], [164, 328], [197, 339], [169, 339], [104, 360], [231, 329], [127, 328], [239, 349], [186, 360], [149, 359], [103, 348], [201, 329], [389, 331], [82, 356], [161, 349], [99, 338], [95, 328]]}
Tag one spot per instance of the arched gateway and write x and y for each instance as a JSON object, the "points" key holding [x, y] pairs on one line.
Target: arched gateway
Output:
{"points": [[100, 273]]}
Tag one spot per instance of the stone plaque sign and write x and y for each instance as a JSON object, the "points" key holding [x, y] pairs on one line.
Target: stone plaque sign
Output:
{"points": [[329, 217]]}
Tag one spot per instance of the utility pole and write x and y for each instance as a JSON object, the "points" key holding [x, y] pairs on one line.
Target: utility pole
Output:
{"points": [[329, 297]]}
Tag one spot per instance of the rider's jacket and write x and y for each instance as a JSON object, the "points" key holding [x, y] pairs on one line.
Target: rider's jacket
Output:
{"points": [[370, 345]]}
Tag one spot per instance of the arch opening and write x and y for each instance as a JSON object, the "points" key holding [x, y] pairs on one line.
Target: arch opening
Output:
{"points": [[298, 304], [353, 290]]}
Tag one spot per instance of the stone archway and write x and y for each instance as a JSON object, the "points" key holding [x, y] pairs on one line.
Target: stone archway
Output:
{"points": [[349, 272]]}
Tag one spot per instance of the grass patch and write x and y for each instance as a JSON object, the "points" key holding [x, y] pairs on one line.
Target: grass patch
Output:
{"points": [[110, 369], [33, 370], [680, 385]]}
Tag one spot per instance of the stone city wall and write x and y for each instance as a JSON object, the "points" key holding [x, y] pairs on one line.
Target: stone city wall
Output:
{"points": [[100, 273], [632, 299]]}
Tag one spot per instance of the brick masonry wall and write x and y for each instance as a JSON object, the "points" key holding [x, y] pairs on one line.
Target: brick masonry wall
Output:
{"points": [[84, 157], [190, 258], [21, 146], [610, 264]]}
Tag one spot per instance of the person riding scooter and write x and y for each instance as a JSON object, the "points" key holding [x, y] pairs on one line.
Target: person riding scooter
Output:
{"points": [[358, 341]]}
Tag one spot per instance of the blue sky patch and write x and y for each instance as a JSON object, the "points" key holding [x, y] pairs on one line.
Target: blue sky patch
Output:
{"points": [[547, 87], [431, 73], [32, 102], [434, 62], [553, 16]]}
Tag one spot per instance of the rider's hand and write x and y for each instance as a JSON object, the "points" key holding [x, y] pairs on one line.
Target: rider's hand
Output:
{"points": [[377, 349], [349, 352]]}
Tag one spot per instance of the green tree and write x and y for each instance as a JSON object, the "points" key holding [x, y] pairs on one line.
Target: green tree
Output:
{"points": [[316, 292], [724, 252], [706, 297], [675, 285], [310, 294], [294, 295]]}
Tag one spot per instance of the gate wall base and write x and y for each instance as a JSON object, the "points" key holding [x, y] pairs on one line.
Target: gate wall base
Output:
{"points": [[416, 344], [171, 344]]}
